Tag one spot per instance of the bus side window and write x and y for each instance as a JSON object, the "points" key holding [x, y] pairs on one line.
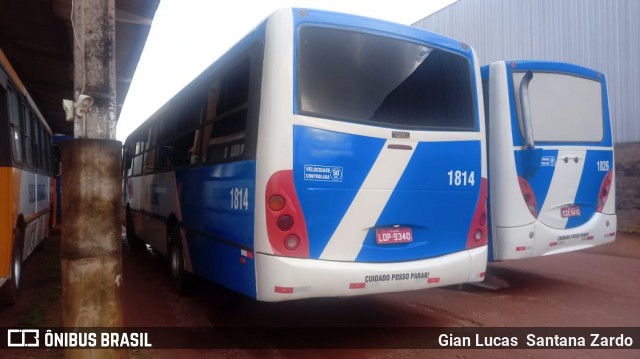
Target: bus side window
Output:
{"points": [[182, 152], [138, 142], [50, 154], [26, 135], [150, 150], [128, 151], [16, 132], [225, 132], [137, 161], [180, 155], [166, 132], [213, 99], [44, 162], [36, 145]]}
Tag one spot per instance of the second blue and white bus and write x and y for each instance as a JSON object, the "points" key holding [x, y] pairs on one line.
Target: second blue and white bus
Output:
{"points": [[324, 155], [551, 161]]}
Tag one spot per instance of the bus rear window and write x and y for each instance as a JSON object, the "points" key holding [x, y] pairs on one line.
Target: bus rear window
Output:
{"points": [[564, 108], [361, 77]]}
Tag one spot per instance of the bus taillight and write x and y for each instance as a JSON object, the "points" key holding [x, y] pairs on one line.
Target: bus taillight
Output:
{"points": [[605, 187], [292, 242], [477, 235], [528, 196], [276, 202], [286, 227], [285, 222]]}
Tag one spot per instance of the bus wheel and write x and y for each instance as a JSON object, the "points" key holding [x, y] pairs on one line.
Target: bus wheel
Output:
{"points": [[179, 278], [9, 292]]}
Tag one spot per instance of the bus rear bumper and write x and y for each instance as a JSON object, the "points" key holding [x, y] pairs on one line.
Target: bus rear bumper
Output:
{"points": [[537, 239], [285, 278]]}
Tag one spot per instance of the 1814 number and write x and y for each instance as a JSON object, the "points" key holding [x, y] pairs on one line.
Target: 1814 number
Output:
{"points": [[239, 198], [462, 178]]}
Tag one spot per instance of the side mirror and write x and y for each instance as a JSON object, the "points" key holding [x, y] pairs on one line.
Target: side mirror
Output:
{"points": [[526, 110]]}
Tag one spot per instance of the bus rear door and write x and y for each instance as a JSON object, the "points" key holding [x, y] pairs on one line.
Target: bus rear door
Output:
{"points": [[552, 174]]}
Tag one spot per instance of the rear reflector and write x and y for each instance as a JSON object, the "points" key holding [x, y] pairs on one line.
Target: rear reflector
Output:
{"points": [[528, 196], [605, 187], [477, 235], [286, 290]]}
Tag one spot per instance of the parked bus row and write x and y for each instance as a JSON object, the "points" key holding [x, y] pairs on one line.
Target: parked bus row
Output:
{"points": [[334, 155]]}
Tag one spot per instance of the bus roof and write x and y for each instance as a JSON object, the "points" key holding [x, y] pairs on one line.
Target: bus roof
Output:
{"points": [[4, 62], [381, 26], [320, 17], [12, 73], [553, 66]]}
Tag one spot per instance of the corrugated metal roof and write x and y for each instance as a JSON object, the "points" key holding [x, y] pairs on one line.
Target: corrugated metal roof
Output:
{"points": [[599, 34]]}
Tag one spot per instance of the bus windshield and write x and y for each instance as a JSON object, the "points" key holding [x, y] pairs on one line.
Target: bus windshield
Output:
{"points": [[362, 77]]}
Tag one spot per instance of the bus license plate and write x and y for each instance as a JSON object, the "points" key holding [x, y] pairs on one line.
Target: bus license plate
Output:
{"points": [[393, 235]]}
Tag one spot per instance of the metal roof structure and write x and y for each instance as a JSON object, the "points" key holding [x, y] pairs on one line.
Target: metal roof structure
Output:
{"points": [[37, 38]]}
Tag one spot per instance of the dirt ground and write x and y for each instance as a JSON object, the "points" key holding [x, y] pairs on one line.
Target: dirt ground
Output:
{"points": [[557, 291]]}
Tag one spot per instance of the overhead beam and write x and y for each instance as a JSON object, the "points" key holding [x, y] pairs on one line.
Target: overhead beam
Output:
{"points": [[131, 18]]}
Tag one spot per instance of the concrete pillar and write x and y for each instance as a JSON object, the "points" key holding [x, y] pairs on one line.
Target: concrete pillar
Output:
{"points": [[91, 239], [91, 177], [91, 247]]}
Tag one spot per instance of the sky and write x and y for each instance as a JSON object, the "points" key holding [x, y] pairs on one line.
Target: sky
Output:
{"points": [[188, 35]]}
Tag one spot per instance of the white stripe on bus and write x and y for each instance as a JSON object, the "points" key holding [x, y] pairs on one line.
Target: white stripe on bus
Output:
{"points": [[346, 242], [563, 187]]}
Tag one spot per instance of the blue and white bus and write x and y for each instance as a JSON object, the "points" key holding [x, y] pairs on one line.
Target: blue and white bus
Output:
{"points": [[324, 155], [550, 151]]}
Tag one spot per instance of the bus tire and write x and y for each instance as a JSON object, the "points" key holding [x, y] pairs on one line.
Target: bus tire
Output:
{"points": [[10, 290], [180, 280]]}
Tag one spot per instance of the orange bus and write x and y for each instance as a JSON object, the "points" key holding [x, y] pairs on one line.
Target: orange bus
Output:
{"points": [[27, 193]]}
